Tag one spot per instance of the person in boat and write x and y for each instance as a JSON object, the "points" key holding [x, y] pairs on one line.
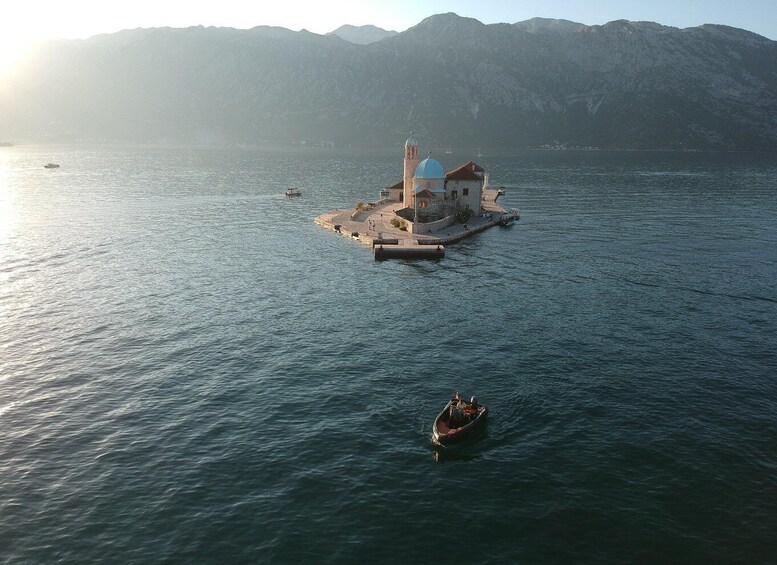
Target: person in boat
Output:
{"points": [[472, 409], [458, 416]]}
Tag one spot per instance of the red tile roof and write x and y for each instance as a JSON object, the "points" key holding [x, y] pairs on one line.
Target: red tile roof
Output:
{"points": [[400, 184], [466, 172]]}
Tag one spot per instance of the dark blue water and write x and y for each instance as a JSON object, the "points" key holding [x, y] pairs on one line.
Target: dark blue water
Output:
{"points": [[191, 371]]}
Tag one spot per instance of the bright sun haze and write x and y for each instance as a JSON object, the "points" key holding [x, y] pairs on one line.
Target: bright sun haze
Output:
{"points": [[13, 44], [23, 22]]}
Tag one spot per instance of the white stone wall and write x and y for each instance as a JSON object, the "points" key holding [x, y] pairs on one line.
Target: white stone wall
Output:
{"points": [[473, 199], [394, 193], [430, 227]]}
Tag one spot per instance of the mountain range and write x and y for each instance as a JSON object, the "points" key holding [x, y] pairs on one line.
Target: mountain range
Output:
{"points": [[454, 81], [363, 35]]}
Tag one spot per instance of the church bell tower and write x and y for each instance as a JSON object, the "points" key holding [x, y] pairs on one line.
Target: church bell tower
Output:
{"points": [[411, 162]]}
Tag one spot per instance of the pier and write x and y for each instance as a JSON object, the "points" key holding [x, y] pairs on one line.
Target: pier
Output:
{"points": [[383, 252]]}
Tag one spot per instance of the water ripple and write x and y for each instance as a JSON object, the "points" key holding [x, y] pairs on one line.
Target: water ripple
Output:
{"points": [[191, 370]]}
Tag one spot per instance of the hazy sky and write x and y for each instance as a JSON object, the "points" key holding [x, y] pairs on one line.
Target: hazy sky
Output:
{"points": [[24, 21]]}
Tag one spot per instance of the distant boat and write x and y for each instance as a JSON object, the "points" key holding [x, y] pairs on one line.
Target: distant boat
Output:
{"points": [[448, 151], [293, 192], [51, 166]]}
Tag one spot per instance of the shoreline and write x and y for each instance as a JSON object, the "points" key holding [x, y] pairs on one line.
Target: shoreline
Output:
{"points": [[373, 226]]}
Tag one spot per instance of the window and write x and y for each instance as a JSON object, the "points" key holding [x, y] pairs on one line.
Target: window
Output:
{"points": [[454, 194], [465, 192]]}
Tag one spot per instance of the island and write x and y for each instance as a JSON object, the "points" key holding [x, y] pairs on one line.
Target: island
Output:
{"points": [[428, 209]]}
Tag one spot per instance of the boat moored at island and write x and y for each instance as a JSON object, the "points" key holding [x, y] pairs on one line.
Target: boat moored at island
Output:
{"points": [[509, 217]]}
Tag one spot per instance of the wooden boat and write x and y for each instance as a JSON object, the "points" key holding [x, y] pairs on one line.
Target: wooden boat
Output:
{"points": [[51, 166], [473, 416], [293, 192]]}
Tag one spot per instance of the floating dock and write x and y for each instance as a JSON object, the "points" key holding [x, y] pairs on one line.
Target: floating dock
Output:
{"points": [[383, 252]]}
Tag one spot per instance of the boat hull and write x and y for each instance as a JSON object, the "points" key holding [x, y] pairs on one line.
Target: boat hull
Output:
{"points": [[445, 435]]}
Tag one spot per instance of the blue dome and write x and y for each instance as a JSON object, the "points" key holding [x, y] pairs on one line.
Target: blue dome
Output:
{"points": [[429, 169]]}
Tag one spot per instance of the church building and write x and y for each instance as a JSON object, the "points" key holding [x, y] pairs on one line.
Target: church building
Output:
{"points": [[431, 194]]}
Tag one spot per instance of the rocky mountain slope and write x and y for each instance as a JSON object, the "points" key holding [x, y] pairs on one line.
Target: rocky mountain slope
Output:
{"points": [[453, 80]]}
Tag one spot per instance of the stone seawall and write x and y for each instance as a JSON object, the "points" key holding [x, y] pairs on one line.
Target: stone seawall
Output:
{"points": [[375, 224]]}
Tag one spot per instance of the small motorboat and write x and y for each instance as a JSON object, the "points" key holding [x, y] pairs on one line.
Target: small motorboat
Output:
{"points": [[51, 166], [509, 217], [293, 192], [458, 420]]}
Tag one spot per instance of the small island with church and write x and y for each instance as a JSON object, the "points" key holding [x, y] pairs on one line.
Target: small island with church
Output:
{"points": [[425, 211]]}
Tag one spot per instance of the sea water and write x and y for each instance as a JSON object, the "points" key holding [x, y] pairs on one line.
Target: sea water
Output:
{"points": [[192, 371]]}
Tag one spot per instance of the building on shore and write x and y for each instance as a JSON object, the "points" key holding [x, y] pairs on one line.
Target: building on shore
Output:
{"points": [[432, 196]]}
